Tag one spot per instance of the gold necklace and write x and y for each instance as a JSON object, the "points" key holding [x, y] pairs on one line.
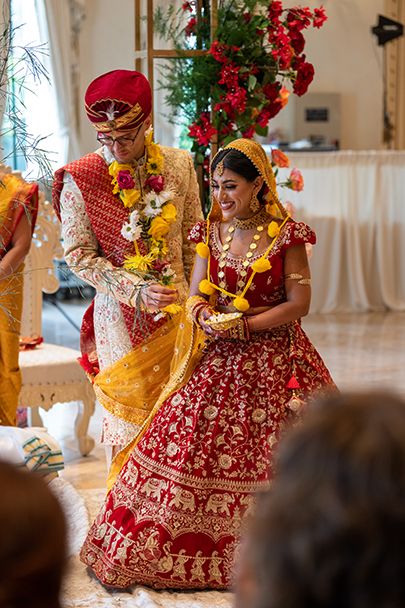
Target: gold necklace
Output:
{"points": [[252, 222], [249, 254]]}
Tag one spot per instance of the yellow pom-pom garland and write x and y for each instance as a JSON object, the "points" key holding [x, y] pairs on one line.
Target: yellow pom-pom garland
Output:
{"points": [[203, 250], [261, 265], [207, 287], [241, 303], [273, 230]]}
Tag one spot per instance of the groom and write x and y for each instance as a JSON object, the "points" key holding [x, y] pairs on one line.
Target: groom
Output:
{"points": [[118, 105]]}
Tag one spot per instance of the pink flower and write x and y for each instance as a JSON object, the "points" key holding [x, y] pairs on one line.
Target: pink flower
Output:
{"points": [[279, 158], [297, 181], [125, 180], [155, 182], [290, 208]]}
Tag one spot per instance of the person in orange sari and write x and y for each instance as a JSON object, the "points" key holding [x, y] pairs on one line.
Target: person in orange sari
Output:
{"points": [[18, 211]]}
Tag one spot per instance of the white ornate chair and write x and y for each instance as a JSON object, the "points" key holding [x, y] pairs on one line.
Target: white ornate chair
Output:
{"points": [[50, 374]]}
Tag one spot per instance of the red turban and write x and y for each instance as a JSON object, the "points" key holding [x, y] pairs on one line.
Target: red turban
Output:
{"points": [[118, 101]]}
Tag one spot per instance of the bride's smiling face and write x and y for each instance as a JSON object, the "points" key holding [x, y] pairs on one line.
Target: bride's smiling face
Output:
{"points": [[233, 193]]}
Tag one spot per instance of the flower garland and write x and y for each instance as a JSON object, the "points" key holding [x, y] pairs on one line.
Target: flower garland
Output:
{"points": [[152, 222]]}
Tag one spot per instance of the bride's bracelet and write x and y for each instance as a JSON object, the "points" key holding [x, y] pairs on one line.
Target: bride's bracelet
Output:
{"points": [[194, 307], [240, 331]]}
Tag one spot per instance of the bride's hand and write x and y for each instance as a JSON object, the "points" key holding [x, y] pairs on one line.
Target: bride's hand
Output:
{"points": [[206, 313]]}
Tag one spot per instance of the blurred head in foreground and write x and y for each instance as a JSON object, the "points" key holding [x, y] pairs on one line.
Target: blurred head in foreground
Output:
{"points": [[32, 541], [331, 531]]}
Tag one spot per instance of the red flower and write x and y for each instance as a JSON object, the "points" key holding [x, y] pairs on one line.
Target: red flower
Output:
{"points": [[237, 97], [275, 10], [246, 18], [191, 27], [296, 180], [125, 180], [204, 132], [270, 111], [297, 61], [217, 50], [159, 265], [298, 18], [259, 32], [319, 17], [248, 134], [305, 76], [297, 42], [155, 182], [188, 6], [229, 75], [271, 91]]}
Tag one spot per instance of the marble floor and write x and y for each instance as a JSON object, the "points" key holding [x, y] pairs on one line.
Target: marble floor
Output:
{"points": [[363, 351]]}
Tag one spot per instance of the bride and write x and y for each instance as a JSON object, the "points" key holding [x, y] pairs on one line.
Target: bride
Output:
{"points": [[180, 503]]}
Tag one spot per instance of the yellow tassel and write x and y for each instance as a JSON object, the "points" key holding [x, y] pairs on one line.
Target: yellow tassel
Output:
{"points": [[203, 250], [206, 287], [261, 265], [240, 303], [273, 230]]}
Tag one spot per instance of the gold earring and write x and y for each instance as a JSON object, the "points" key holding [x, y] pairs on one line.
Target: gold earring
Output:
{"points": [[254, 203]]}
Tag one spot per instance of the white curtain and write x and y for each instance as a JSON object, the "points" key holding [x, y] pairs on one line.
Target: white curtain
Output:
{"points": [[54, 17], [355, 203]]}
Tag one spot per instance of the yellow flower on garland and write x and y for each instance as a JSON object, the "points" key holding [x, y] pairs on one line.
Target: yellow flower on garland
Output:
{"points": [[116, 188], [155, 160], [130, 197], [115, 168], [158, 227], [139, 263], [158, 247], [169, 213]]}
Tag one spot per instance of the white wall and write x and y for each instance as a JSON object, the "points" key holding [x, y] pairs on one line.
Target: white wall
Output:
{"points": [[345, 55], [107, 42], [348, 61]]}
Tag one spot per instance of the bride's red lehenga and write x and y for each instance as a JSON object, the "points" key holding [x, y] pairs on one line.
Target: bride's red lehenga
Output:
{"points": [[179, 506]]}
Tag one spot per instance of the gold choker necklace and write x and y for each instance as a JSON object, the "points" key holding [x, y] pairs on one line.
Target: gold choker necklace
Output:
{"points": [[251, 222]]}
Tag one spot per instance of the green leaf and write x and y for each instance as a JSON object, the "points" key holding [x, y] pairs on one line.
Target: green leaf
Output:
{"points": [[252, 80], [200, 158], [228, 139], [262, 131]]}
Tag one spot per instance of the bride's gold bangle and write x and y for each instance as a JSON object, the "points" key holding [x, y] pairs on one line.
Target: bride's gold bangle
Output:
{"points": [[193, 307]]}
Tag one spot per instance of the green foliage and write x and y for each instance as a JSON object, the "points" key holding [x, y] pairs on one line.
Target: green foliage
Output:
{"points": [[16, 63]]}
